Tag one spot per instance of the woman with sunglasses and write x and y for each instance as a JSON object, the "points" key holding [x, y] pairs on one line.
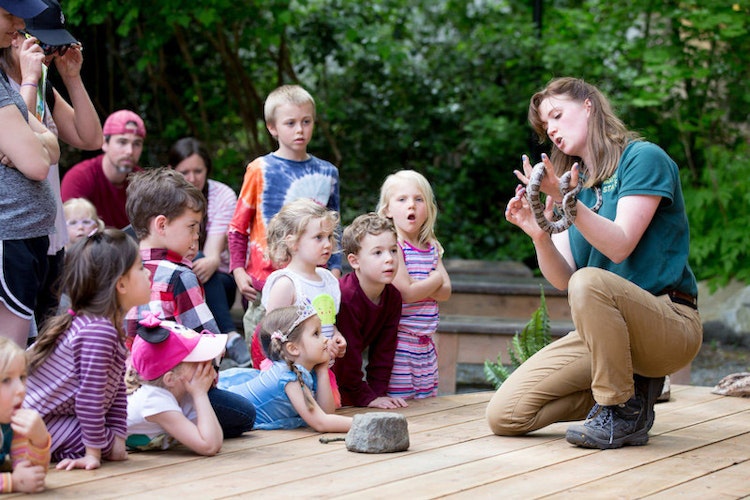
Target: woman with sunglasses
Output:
{"points": [[25, 62]]}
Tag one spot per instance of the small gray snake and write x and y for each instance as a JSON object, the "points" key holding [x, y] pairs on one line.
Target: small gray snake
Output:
{"points": [[560, 222]]}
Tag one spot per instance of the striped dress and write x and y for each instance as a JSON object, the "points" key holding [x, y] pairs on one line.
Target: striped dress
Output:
{"points": [[79, 390], [415, 368]]}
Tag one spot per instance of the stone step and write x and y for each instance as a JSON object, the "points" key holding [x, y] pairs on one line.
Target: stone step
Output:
{"points": [[475, 339], [471, 340], [503, 296]]}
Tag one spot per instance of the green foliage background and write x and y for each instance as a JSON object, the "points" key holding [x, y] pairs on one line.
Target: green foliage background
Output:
{"points": [[440, 86]]}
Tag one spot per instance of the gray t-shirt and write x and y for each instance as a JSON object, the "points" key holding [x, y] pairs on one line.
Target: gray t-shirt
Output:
{"points": [[27, 207]]}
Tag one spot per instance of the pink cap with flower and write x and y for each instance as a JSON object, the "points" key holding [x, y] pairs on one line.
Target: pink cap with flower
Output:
{"points": [[181, 344]]}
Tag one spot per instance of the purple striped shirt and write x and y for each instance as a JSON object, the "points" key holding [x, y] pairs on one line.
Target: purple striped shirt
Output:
{"points": [[83, 378]]}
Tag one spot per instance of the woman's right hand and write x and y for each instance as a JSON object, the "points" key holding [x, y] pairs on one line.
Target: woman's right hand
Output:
{"points": [[31, 58], [518, 212]]}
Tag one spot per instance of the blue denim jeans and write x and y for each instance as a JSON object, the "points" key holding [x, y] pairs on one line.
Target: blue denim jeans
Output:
{"points": [[221, 291], [235, 413]]}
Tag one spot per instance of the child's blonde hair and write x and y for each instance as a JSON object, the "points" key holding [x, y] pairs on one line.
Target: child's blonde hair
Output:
{"points": [[9, 351], [427, 231], [279, 327], [286, 94], [83, 204], [292, 220]]}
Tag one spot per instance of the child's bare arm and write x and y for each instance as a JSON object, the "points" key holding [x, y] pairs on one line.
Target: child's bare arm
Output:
{"points": [[205, 437], [281, 294], [411, 290], [444, 292], [324, 394], [315, 417]]}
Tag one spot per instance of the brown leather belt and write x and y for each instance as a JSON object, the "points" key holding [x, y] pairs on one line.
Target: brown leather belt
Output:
{"points": [[679, 297]]}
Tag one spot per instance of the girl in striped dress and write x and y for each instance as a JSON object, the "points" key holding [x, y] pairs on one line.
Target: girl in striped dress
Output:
{"points": [[77, 366], [406, 197]]}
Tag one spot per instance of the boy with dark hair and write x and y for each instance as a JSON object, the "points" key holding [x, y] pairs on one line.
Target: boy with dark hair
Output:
{"points": [[369, 313], [166, 211]]}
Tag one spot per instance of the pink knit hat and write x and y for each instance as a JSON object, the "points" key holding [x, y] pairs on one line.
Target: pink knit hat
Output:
{"points": [[124, 122], [153, 359]]}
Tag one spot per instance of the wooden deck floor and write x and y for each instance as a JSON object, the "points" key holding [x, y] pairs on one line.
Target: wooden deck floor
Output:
{"points": [[699, 448]]}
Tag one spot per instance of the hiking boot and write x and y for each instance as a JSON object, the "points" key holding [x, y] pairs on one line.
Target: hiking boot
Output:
{"points": [[238, 352], [648, 389], [610, 427]]}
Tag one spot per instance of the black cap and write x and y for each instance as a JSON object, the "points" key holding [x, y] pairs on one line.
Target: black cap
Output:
{"points": [[49, 26], [23, 8]]}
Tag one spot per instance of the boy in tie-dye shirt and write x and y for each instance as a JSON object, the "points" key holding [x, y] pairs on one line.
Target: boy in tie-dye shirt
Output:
{"points": [[270, 182]]}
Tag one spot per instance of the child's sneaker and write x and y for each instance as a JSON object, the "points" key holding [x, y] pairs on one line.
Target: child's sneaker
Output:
{"points": [[238, 352]]}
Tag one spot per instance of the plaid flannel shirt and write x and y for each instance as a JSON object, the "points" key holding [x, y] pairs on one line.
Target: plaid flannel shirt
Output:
{"points": [[176, 294]]}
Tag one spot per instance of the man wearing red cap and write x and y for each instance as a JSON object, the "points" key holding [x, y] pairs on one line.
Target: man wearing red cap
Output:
{"points": [[103, 180]]}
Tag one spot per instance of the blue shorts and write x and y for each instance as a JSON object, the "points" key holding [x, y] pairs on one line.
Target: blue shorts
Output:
{"points": [[23, 268]]}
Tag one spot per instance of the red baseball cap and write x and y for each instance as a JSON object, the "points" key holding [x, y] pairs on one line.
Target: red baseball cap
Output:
{"points": [[153, 359], [124, 122]]}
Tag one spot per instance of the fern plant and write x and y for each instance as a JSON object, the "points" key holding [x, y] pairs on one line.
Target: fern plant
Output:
{"points": [[535, 335]]}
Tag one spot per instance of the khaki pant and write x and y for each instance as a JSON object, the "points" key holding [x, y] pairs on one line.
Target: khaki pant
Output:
{"points": [[621, 329]]}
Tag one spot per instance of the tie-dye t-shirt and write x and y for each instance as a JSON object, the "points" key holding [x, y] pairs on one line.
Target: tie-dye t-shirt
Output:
{"points": [[270, 182]]}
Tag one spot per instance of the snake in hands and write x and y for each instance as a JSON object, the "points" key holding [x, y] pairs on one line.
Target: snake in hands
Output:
{"points": [[569, 210]]}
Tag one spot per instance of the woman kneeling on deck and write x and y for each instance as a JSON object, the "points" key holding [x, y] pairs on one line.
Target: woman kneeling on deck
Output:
{"points": [[625, 266]]}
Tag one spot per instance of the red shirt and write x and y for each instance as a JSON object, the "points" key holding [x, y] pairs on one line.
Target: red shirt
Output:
{"points": [[87, 180], [366, 325]]}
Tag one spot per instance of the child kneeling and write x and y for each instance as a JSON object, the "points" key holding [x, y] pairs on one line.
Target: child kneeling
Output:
{"points": [[172, 405]]}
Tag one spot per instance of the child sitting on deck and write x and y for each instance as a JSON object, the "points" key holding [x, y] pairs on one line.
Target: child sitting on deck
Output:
{"points": [[24, 440], [296, 390], [172, 404], [166, 211], [77, 365]]}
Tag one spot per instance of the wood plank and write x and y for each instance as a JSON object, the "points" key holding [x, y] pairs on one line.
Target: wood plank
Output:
{"points": [[730, 482], [662, 476], [700, 446]]}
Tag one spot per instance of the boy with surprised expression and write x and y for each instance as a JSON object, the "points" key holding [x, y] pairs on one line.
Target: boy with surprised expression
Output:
{"points": [[370, 312]]}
